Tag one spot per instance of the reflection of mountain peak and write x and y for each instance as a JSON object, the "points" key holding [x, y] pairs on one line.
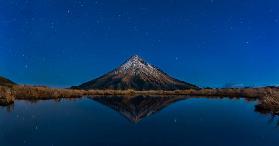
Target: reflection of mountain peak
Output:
{"points": [[137, 108]]}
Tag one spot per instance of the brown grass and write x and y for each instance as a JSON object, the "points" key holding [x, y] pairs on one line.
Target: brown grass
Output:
{"points": [[269, 103], [232, 92], [41, 92], [36, 92], [6, 96], [268, 96]]}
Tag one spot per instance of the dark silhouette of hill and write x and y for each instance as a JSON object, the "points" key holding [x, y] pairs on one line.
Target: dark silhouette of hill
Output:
{"points": [[6, 82]]}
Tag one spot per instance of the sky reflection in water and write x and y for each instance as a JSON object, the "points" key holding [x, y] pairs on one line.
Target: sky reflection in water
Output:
{"points": [[137, 121]]}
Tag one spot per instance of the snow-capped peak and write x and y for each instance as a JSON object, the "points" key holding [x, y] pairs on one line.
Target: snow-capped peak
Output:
{"points": [[136, 64]]}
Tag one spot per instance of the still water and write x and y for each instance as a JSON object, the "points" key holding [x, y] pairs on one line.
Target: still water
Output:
{"points": [[140, 121]]}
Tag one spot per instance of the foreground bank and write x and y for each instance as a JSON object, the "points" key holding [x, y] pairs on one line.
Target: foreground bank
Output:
{"points": [[268, 97]]}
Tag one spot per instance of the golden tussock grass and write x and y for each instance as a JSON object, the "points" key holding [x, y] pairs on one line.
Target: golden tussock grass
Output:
{"points": [[6, 96], [269, 103], [268, 96], [40, 92]]}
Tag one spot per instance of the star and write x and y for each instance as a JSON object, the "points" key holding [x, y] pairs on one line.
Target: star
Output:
{"points": [[68, 11], [246, 44], [52, 25]]}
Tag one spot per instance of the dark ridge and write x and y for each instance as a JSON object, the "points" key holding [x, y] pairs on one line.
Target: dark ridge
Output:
{"points": [[6, 82]]}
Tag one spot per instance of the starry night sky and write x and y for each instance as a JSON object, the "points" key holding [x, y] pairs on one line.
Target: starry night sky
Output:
{"points": [[206, 42]]}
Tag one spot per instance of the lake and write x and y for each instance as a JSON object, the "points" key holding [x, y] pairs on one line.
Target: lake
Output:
{"points": [[140, 121]]}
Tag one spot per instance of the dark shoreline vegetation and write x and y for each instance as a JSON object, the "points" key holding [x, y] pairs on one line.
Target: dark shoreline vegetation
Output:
{"points": [[268, 97]]}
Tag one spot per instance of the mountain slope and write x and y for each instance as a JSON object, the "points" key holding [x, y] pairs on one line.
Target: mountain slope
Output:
{"points": [[5, 82], [136, 74]]}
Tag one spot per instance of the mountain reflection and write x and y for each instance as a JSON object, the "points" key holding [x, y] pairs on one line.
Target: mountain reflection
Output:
{"points": [[138, 107]]}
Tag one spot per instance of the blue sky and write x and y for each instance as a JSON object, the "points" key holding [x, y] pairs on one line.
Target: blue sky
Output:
{"points": [[205, 42]]}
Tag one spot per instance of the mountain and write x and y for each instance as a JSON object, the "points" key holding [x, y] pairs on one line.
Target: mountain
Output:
{"points": [[139, 107], [6, 82], [136, 74]]}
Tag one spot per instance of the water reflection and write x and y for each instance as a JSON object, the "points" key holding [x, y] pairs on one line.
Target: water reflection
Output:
{"points": [[178, 121], [9, 108], [138, 107]]}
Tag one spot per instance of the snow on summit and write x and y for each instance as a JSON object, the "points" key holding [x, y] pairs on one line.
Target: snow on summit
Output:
{"points": [[136, 65]]}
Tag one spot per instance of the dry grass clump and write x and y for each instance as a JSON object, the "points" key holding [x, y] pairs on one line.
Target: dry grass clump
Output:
{"points": [[6, 96], [269, 103], [31, 92]]}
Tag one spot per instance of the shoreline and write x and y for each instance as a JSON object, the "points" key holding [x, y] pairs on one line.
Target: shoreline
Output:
{"points": [[268, 97]]}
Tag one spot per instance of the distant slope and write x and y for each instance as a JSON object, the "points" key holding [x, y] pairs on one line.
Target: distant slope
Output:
{"points": [[136, 74], [6, 82]]}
